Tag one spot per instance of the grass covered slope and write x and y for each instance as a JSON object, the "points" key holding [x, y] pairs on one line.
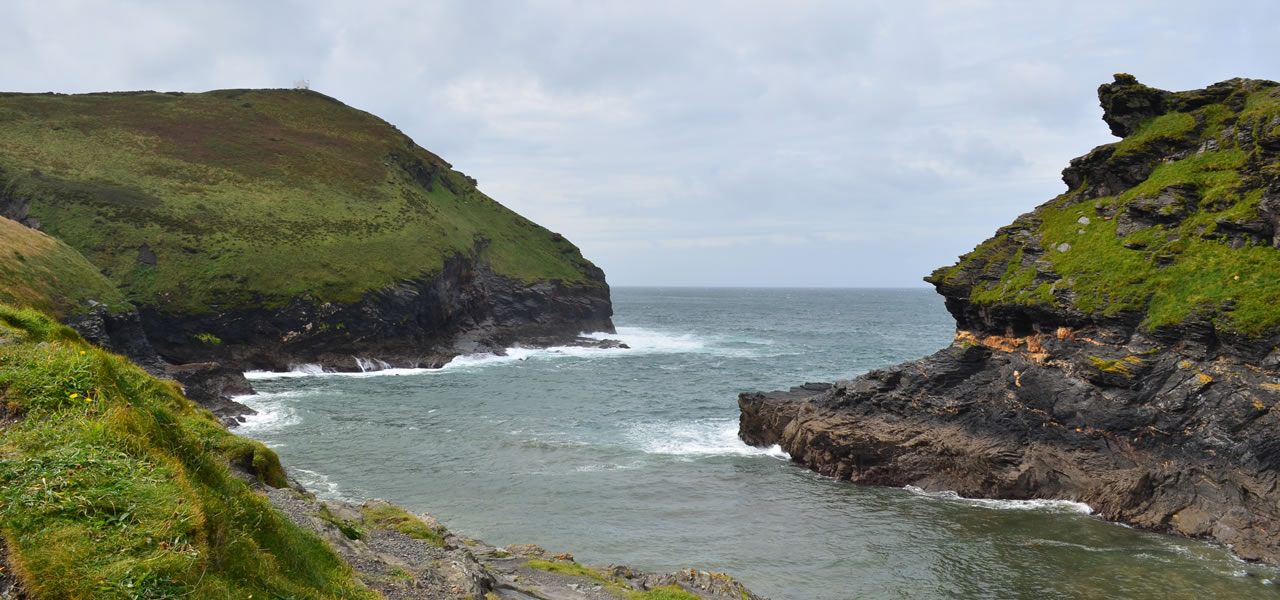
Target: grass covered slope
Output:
{"points": [[46, 274], [1175, 222], [112, 485], [248, 198]]}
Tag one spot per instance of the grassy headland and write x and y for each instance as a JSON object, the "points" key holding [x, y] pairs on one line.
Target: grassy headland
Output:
{"points": [[248, 198]]}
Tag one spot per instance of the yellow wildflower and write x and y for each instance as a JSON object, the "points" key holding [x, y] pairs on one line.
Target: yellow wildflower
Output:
{"points": [[74, 396]]}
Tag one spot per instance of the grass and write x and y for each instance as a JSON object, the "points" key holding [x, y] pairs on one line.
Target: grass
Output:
{"points": [[41, 272], [387, 516], [571, 569], [1169, 127], [231, 188], [112, 485], [348, 529], [666, 592], [1167, 273]]}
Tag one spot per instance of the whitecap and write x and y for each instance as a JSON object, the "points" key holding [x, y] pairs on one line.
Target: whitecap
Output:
{"points": [[596, 467], [317, 483], [704, 437], [271, 414], [652, 341], [1069, 506], [310, 370], [638, 340]]}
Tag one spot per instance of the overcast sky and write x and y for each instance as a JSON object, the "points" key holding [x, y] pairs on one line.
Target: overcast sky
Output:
{"points": [[798, 143]]}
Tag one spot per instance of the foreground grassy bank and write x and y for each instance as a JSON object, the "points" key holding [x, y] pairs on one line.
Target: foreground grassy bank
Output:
{"points": [[112, 485]]}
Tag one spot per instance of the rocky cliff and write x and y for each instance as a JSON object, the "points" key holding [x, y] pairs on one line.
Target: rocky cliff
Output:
{"points": [[1117, 345], [264, 228]]}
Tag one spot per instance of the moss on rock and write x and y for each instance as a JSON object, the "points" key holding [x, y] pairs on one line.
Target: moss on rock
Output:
{"points": [[1176, 221]]}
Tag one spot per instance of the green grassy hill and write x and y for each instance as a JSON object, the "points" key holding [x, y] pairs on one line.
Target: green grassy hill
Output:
{"points": [[43, 273], [1178, 220], [250, 198], [112, 485]]}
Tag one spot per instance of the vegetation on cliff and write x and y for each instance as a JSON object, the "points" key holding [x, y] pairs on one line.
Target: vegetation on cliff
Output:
{"points": [[112, 485], [1177, 221], [46, 274], [251, 198]]}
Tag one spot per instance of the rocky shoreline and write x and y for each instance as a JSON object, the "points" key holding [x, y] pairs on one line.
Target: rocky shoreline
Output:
{"points": [[1070, 380], [407, 556], [1171, 443]]}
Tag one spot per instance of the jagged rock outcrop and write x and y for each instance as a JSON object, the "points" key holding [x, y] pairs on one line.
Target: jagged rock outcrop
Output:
{"points": [[1116, 346]]}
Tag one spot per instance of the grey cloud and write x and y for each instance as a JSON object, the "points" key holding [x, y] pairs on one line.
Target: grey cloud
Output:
{"points": [[806, 143]]}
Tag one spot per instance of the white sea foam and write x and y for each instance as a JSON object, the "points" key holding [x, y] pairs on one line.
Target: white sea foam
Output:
{"points": [[639, 340], [1045, 505], [272, 413], [595, 467], [705, 437], [368, 365], [310, 370], [651, 341], [317, 483]]}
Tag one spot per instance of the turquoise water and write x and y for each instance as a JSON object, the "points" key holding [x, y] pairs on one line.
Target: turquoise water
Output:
{"points": [[631, 457]]}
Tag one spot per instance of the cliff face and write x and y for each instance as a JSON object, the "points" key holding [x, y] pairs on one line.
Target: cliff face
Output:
{"points": [[1116, 346], [421, 322], [264, 228]]}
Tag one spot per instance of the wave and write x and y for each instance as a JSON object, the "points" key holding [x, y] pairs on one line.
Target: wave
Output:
{"points": [[638, 339], [705, 437], [652, 341], [1062, 506], [310, 370], [318, 484], [272, 415]]}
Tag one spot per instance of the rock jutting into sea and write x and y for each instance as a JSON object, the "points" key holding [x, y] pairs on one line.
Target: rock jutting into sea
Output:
{"points": [[1116, 346]]}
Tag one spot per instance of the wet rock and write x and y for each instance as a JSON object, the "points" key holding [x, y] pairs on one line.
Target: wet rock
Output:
{"points": [[1143, 427], [212, 386], [419, 323]]}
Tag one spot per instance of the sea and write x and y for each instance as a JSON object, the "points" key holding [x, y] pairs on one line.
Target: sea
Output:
{"points": [[631, 457]]}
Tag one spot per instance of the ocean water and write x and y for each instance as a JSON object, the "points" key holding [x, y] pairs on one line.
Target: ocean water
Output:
{"points": [[631, 457]]}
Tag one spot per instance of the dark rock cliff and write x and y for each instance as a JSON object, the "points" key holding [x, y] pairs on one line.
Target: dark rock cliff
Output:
{"points": [[1116, 346], [419, 323]]}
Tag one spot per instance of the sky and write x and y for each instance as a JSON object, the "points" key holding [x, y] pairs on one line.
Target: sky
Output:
{"points": [[694, 143]]}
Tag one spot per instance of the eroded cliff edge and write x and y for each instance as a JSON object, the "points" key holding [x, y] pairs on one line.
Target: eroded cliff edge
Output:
{"points": [[1116, 346]]}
